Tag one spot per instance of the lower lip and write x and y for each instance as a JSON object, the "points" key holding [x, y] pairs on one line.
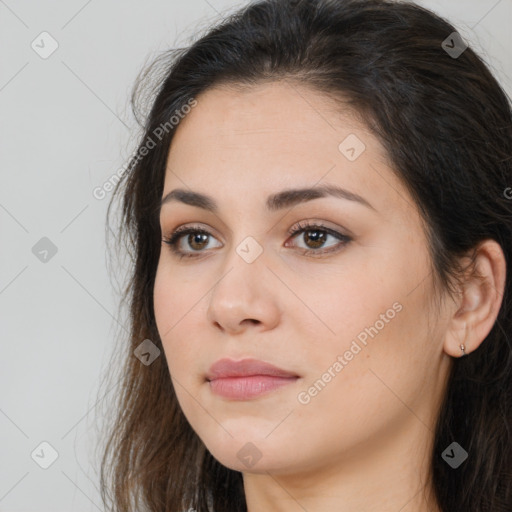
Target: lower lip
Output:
{"points": [[243, 388]]}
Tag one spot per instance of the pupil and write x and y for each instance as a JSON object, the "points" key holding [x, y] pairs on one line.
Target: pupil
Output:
{"points": [[194, 237], [319, 235]]}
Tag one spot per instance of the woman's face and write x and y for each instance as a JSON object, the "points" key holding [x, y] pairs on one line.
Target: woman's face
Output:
{"points": [[342, 306]]}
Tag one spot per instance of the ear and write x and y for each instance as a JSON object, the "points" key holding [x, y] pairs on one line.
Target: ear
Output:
{"points": [[479, 302]]}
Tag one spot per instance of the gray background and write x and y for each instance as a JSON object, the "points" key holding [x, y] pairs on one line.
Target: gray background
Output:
{"points": [[66, 127]]}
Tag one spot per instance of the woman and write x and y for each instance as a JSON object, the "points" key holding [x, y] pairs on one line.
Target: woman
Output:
{"points": [[320, 296]]}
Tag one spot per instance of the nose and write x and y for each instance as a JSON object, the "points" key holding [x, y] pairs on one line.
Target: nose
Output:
{"points": [[244, 296]]}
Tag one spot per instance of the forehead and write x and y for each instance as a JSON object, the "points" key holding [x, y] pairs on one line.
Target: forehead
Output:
{"points": [[243, 114], [278, 135]]}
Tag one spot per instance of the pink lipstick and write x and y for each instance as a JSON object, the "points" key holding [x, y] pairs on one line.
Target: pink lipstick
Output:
{"points": [[246, 379]]}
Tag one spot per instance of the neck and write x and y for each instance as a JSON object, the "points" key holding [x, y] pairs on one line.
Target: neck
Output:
{"points": [[386, 476]]}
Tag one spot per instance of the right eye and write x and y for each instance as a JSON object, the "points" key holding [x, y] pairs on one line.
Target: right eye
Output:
{"points": [[197, 239]]}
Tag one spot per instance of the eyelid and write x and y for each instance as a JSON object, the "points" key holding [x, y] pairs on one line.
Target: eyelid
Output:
{"points": [[195, 227], [312, 222]]}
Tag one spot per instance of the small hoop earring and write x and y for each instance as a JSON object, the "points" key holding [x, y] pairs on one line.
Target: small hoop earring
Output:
{"points": [[463, 349]]}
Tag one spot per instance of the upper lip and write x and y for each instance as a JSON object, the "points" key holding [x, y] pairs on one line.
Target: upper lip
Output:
{"points": [[228, 368]]}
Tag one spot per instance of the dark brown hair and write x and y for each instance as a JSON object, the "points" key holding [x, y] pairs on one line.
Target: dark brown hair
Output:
{"points": [[446, 125]]}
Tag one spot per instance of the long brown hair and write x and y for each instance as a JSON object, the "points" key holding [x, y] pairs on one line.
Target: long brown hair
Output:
{"points": [[446, 125]]}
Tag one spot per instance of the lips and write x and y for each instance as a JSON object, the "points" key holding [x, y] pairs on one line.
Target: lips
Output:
{"points": [[246, 379], [226, 368]]}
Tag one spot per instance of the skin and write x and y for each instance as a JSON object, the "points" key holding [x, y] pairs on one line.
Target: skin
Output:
{"points": [[363, 442]]}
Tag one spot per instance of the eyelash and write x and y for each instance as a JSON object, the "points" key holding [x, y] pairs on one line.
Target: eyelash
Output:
{"points": [[296, 230]]}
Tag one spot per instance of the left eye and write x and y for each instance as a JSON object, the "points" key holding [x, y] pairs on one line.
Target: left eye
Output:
{"points": [[316, 237], [197, 239]]}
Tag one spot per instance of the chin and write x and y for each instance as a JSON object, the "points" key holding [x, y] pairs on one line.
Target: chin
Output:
{"points": [[258, 456], [247, 463]]}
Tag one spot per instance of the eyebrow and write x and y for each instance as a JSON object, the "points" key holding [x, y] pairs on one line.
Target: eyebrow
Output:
{"points": [[285, 199]]}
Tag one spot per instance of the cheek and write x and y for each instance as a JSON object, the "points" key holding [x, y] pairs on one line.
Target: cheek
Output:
{"points": [[163, 304], [170, 313], [178, 308], [353, 299], [369, 319], [173, 299]]}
